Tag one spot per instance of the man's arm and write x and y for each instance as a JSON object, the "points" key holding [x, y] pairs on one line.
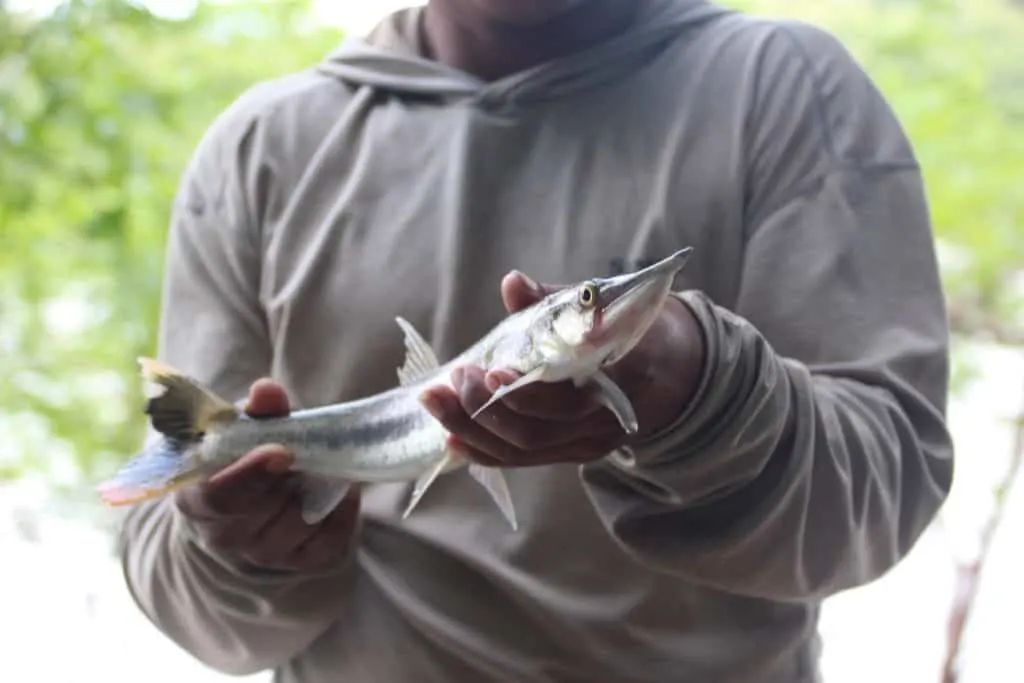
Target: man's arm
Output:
{"points": [[228, 614], [815, 452]]}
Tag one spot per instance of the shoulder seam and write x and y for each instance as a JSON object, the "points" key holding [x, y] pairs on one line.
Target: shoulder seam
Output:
{"points": [[819, 102], [813, 184], [268, 104]]}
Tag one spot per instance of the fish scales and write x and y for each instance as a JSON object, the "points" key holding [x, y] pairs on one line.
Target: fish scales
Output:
{"points": [[387, 438]]}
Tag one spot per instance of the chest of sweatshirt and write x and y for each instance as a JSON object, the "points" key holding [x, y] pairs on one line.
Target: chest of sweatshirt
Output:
{"points": [[372, 205]]}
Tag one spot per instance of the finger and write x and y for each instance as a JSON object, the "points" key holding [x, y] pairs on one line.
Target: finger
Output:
{"points": [[276, 540], [243, 529], [522, 431], [245, 515], [519, 291], [263, 464], [289, 542], [267, 398], [554, 401], [333, 537], [496, 450], [239, 488], [464, 450], [583, 451], [444, 405], [252, 501]]}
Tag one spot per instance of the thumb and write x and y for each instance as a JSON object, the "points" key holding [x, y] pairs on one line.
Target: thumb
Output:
{"points": [[519, 291], [267, 398]]}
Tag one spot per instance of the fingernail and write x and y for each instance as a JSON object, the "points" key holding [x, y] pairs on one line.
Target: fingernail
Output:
{"points": [[278, 465], [459, 447], [492, 381], [431, 404], [458, 377], [498, 378], [530, 283]]}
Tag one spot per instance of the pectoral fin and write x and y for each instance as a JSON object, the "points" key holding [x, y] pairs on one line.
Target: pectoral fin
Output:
{"points": [[504, 390], [614, 399], [494, 482], [320, 495]]}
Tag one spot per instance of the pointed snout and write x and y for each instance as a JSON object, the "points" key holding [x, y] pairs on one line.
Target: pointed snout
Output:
{"points": [[621, 291], [629, 304], [667, 266]]}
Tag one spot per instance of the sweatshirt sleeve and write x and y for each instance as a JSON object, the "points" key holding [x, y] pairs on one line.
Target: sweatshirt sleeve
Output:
{"points": [[815, 452], [232, 618]]}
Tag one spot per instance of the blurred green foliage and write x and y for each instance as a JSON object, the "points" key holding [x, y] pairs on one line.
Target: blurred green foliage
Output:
{"points": [[954, 72], [101, 104]]}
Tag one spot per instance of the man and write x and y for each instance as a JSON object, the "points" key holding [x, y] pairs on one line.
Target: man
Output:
{"points": [[791, 396]]}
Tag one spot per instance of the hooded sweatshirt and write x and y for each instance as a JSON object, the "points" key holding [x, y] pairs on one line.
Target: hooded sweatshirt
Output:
{"points": [[379, 183]]}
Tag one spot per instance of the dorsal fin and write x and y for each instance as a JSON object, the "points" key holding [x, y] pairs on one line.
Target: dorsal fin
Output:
{"points": [[420, 360], [179, 407]]}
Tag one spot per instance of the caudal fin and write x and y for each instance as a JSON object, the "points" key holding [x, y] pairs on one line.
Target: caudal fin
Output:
{"points": [[161, 467], [183, 411]]}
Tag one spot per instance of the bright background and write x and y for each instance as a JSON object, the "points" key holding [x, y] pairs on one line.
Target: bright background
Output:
{"points": [[100, 105]]}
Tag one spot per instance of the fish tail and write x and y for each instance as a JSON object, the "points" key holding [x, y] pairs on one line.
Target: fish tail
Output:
{"points": [[183, 412], [160, 468]]}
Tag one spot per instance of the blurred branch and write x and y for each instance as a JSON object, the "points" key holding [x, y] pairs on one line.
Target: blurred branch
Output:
{"points": [[968, 574]]}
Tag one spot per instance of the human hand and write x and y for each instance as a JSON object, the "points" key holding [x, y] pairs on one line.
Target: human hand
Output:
{"points": [[546, 423], [251, 509]]}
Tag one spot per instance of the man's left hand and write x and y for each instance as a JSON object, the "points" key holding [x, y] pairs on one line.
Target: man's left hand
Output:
{"points": [[546, 423]]}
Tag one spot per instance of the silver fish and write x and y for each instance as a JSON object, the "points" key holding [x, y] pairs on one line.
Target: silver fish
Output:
{"points": [[570, 335]]}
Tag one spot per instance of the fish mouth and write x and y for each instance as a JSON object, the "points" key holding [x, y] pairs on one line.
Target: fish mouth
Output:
{"points": [[626, 300]]}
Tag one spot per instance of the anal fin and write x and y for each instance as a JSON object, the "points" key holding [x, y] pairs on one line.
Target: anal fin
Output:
{"points": [[490, 478], [494, 483], [320, 495], [425, 481]]}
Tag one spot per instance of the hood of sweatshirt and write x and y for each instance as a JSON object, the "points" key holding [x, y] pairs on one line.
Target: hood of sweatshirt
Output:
{"points": [[390, 58]]}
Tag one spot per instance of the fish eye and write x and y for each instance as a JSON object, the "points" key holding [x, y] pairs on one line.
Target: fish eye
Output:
{"points": [[588, 294]]}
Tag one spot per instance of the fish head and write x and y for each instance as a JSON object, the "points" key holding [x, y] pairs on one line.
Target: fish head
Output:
{"points": [[603, 319]]}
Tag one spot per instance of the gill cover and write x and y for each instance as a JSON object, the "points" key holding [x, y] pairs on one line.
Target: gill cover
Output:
{"points": [[624, 307]]}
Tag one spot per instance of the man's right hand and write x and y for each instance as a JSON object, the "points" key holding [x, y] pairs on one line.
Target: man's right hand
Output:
{"points": [[251, 509]]}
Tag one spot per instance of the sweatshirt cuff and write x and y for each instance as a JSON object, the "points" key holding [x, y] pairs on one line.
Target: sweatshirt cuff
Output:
{"points": [[722, 378]]}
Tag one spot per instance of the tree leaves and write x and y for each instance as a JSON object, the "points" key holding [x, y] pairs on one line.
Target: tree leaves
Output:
{"points": [[101, 104], [954, 73]]}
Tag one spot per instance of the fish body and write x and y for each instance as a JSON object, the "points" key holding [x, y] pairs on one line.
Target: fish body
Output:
{"points": [[570, 335]]}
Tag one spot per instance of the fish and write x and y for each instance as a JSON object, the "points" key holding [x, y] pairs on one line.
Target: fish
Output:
{"points": [[572, 334]]}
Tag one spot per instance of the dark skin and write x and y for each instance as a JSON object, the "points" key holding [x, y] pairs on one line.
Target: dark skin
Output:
{"points": [[495, 38], [250, 511]]}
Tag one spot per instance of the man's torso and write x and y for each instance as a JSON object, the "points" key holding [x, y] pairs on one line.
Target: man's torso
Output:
{"points": [[378, 204]]}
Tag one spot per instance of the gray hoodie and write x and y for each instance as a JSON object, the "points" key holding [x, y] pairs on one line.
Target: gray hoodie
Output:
{"points": [[322, 204]]}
